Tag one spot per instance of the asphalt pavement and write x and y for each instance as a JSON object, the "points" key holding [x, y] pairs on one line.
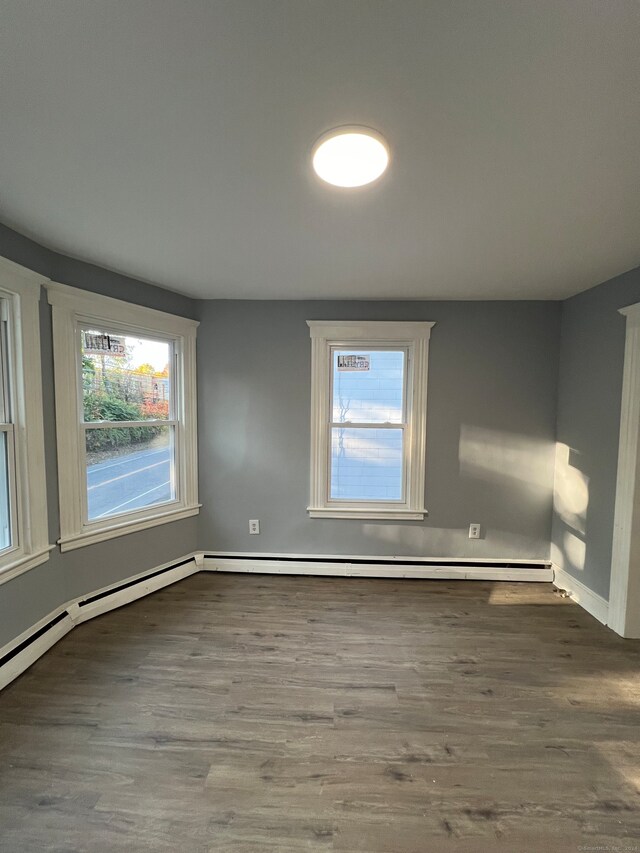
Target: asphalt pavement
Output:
{"points": [[133, 481]]}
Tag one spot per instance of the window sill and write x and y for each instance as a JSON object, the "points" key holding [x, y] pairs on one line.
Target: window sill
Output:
{"points": [[373, 514], [23, 563], [91, 537]]}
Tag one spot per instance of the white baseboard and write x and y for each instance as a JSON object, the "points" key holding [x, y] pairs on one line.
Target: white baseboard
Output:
{"points": [[25, 649], [143, 585], [64, 618], [593, 603], [381, 567], [23, 659]]}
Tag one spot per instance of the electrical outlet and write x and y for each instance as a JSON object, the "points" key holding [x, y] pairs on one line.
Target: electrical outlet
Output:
{"points": [[474, 531], [254, 525]]}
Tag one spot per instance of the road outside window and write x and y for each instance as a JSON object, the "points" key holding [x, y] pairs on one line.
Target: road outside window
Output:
{"points": [[129, 424], [126, 412]]}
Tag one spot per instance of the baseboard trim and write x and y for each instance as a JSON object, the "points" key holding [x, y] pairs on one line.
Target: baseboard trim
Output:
{"points": [[21, 652], [379, 567], [593, 603], [133, 588], [18, 655]]}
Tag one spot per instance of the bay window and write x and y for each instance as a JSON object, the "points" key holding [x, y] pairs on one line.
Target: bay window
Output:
{"points": [[23, 506], [8, 503], [126, 402]]}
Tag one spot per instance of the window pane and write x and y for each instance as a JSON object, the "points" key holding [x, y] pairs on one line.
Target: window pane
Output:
{"points": [[124, 378], [366, 464], [5, 396], [5, 506], [368, 386], [128, 469]]}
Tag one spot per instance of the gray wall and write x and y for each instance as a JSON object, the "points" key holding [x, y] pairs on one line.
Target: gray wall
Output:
{"points": [[491, 429], [494, 395], [27, 598], [589, 397]]}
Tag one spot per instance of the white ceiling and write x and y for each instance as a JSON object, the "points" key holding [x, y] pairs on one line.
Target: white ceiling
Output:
{"points": [[170, 140]]}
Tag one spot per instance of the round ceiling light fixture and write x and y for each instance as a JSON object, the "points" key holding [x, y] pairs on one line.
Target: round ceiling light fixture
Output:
{"points": [[350, 156]]}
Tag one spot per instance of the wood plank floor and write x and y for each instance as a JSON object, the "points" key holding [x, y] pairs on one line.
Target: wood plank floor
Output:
{"points": [[254, 714]]}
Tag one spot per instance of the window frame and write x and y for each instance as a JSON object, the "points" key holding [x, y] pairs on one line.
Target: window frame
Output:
{"points": [[73, 310], [413, 338], [22, 389], [172, 422], [8, 455]]}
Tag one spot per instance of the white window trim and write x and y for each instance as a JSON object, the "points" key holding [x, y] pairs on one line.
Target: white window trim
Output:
{"points": [[412, 336], [22, 288], [71, 307]]}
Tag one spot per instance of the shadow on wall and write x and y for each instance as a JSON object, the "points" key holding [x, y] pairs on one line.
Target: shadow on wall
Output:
{"points": [[494, 455], [499, 463], [571, 504], [436, 542], [509, 476]]}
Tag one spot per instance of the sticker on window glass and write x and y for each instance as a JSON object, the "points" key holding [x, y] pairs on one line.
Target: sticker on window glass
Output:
{"points": [[354, 362], [104, 344]]}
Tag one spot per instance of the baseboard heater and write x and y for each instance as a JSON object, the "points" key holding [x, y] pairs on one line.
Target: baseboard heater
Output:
{"points": [[398, 567], [142, 580], [16, 659], [18, 655], [33, 638]]}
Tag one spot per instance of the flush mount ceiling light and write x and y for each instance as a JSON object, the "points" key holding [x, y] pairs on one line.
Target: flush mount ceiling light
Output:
{"points": [[350, 156]]}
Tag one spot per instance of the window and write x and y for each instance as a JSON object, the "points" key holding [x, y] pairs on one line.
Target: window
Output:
{"points": [[23, 507], [128, 422], [126, 412], [7, 437], [368, 419]]}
